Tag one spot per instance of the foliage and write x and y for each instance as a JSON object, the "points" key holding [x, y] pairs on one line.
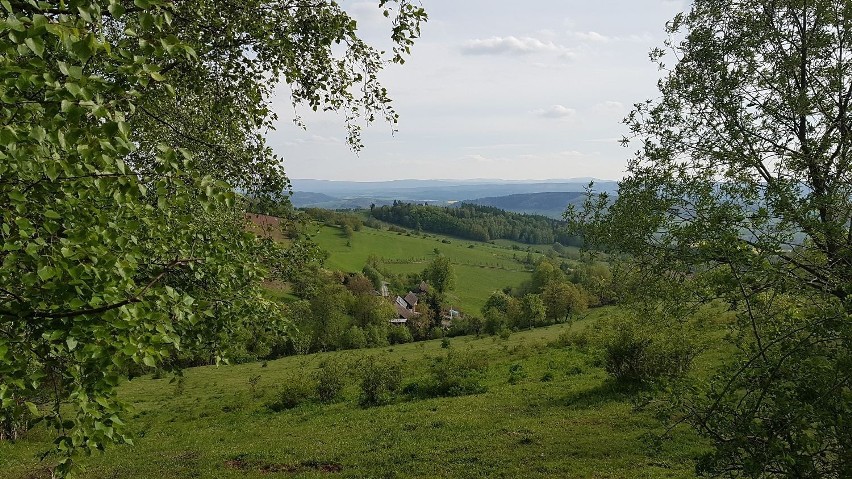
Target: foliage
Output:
{"points": [[458, 373], [741, 191], [637, 352], [399, 335], [563, 299], [380, 380], [516, 373], [127, 128], [474, 222], [330, 379], [466, 325], [348, 222], [439, 275], [354, 338], [533, 312], [295, 391]]}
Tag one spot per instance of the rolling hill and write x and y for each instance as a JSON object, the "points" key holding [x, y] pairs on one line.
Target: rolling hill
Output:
{"points": [[549, 203]]}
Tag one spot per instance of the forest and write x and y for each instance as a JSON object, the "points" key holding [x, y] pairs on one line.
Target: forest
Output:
{"points": [[480, 223]]}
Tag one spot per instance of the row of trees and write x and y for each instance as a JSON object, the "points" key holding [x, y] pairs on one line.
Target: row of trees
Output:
{"points": [[479, 223]]}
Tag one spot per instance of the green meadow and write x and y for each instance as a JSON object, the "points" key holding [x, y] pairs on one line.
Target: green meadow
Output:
{"points": [[549, 411], [480, 268]]}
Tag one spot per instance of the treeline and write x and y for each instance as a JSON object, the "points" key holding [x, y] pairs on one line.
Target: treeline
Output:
{"points": [[474, 222]]}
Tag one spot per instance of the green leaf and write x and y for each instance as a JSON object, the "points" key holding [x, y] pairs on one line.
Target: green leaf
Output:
{"points": [[46, 272], [116, 9], [72, 343], [36, 44]]}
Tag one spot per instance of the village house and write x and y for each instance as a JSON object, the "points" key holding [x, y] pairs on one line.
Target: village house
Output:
{"points": [[406, 307]]}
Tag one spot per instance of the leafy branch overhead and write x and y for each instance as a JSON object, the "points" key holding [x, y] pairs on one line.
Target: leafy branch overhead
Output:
{"points": [[131, 145], [740, 191]]}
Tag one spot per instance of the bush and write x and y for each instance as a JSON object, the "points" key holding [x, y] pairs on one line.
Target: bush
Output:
{"points": [[354, 338], [456, 374], [297, 391], [636, 353], [377, 336], [329, 379], [465, 325], [380, 381], [516, 373], [572, 338], [495, 321], [399, 335]]}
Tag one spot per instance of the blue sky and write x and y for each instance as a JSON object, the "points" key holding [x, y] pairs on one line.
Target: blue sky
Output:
{"points": [[496, 89]]}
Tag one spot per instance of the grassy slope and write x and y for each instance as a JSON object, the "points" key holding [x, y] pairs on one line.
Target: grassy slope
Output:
{"points": [[572, 426], [480, 270]]}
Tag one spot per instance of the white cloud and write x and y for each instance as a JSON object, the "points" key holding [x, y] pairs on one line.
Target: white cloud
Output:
{"points": [[610, 106], [555, 111], [513, 46], [592, 37], [599, 38]]}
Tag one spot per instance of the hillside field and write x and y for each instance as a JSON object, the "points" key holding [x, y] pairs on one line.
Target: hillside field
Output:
{"points": [[560, 417], [481, 268]]}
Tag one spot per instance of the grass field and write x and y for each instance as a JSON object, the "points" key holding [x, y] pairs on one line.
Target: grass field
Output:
{"points": [[481, 268], [575, 425]]}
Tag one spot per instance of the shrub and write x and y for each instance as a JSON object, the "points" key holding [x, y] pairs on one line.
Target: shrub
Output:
{"points": [[436, 333], [380, 381], [495, 321], [456, 374], [572, 338], [354, 338], [635, 353], [399, 335], [516, 373], [295, 392], [329, 379], [377, 336]]}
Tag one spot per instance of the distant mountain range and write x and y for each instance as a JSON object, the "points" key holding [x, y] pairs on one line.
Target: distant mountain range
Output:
{"points": [[548, 197], [552, 204]]}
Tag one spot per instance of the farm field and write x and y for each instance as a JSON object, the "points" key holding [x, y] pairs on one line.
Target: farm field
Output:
{"points": [[481, 268], [559, 417]]}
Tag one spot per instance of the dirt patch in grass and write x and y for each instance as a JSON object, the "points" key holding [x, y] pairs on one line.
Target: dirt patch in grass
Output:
{"points": [[245, 463]]}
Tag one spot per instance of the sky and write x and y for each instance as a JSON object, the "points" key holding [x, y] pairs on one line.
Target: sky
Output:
{"points": [[493, 89]]}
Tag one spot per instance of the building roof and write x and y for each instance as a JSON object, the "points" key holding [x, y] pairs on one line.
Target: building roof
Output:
{"points": [[411, 299], [404, 313]]}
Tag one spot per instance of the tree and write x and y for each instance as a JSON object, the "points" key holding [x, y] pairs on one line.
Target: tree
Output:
{"points": [[742, 191], [131, 146], [440, 275], [563, 299], [532, 312]]}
